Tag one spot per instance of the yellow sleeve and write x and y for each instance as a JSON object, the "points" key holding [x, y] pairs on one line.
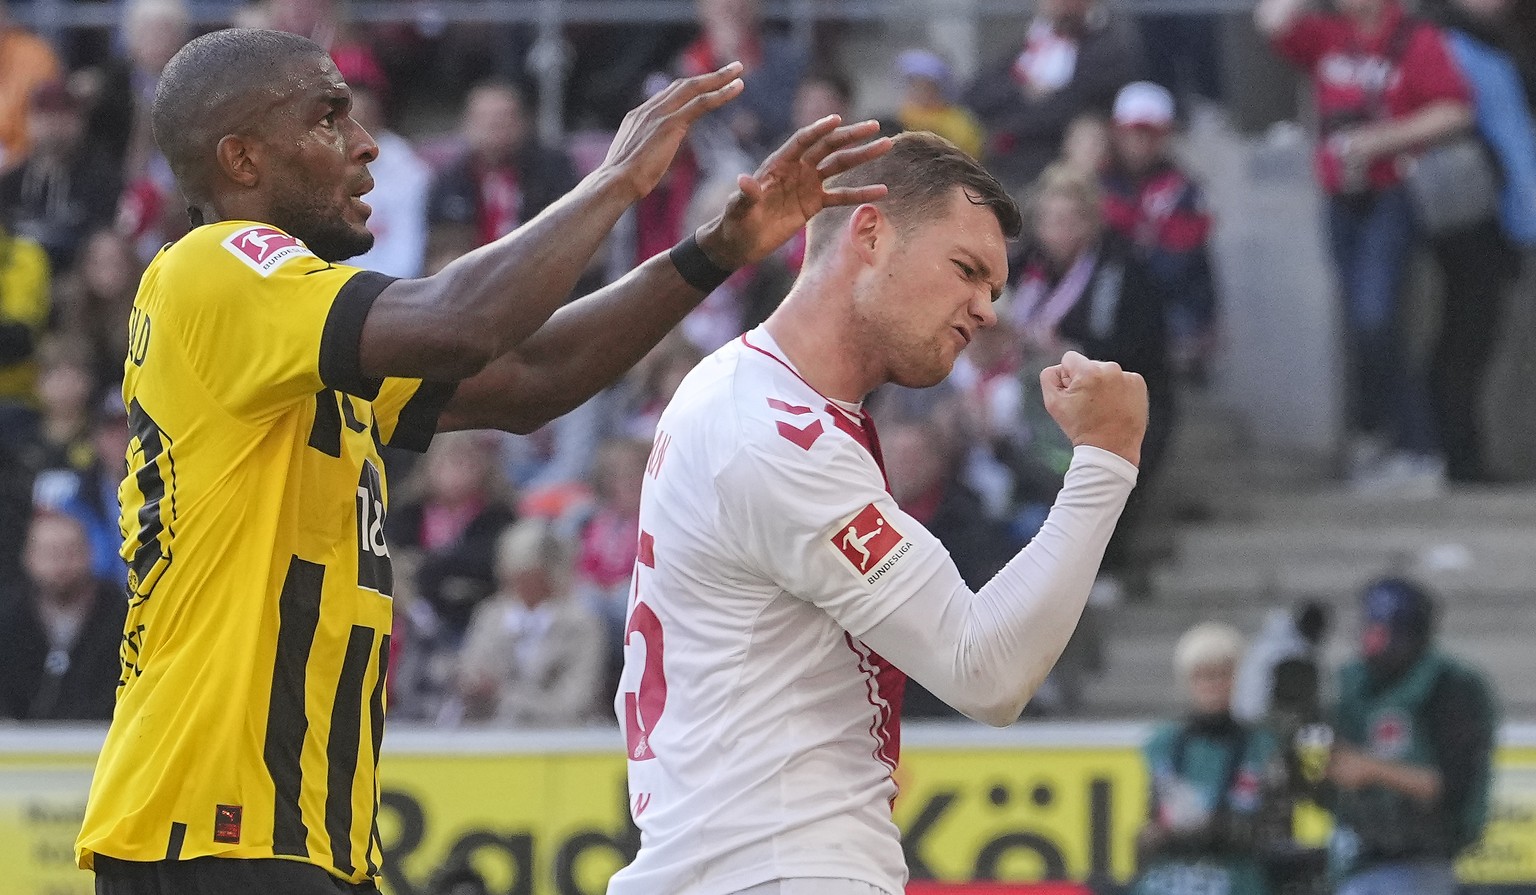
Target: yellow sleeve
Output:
{"points": [[24, 282], [406, 411], [263, 321]]}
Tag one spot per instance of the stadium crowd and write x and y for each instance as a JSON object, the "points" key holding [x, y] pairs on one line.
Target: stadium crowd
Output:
{"points": [[514, 553]]}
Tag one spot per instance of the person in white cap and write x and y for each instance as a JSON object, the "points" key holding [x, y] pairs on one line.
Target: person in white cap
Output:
{"points": [[1159, 209]]}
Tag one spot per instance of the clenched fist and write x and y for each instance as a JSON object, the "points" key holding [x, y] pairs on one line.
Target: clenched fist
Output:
{"points": [[1098, 404]]}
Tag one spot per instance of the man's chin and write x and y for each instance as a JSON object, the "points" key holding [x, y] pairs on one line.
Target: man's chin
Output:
{"points": [[343, 248], [926, 376]]}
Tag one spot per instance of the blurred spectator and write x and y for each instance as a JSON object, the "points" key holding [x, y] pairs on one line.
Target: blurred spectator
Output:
{"points": [[122, 94], [928, 101], [1183, 48], [59, 643], [66, 393], [325, 23], [534, 654], [1207, 778], [1081, 286], [89, 494], [26, 63], [66, 188], [504, 178], [986, 375], [925, 483], [647, 389], [119, 92], [610, 535], [1384, 85], [460, 506], [1285, 657], [1073, 59], [1480, 263], [1412, 761], [24, 306], [94, 300], [1085, 149], [559, 455], [821, 92], [732, 31], [1151, 203], [749, 296], [399, 198]]}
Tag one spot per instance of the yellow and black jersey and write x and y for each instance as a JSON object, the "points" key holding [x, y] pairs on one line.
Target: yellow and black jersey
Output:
{"points": [[251, 704], [24, 279]]}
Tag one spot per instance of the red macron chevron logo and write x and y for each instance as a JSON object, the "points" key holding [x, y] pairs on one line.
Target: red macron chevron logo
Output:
{"points": [[802, 437], [785, 406]]}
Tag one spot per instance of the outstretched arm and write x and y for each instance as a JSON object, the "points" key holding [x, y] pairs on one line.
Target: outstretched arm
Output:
{"points": [[450, 325], [590, 343]]}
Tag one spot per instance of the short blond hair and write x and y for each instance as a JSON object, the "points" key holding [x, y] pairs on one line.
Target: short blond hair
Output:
{"points": [[534, 543], [1079, 187], [1208, 643]]}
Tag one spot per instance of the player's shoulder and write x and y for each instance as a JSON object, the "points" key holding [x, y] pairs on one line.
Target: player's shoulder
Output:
{"points": [[239, 252], [780, 427]]}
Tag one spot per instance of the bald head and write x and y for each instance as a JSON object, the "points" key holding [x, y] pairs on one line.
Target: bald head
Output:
{"points": [[219, 84]]}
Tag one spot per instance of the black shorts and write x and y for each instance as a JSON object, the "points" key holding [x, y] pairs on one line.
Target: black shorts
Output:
{"points": [[220, 876]]}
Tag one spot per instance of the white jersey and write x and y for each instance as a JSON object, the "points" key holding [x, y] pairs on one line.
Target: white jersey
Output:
{"points": [[762, 733]]}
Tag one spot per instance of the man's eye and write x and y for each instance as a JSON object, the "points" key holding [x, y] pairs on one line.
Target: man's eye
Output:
{"points": [[329, 120], [966, 269]]}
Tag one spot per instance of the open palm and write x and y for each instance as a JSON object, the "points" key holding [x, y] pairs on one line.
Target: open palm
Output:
{"points": [[789, 188]]}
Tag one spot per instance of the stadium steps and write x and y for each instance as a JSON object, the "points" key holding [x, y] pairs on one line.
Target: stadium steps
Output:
{"points": [[1239, 532]]}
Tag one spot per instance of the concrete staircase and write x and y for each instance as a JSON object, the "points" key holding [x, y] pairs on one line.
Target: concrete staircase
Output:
{"points": [[1243, 532]]}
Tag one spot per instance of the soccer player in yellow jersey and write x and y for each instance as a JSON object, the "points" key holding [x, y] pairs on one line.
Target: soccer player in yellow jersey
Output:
{"points": [[262, 378]]}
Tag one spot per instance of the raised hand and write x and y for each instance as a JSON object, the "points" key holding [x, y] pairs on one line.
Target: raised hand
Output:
{"points": [[651, 133], [771, 205], [1096, 403]]}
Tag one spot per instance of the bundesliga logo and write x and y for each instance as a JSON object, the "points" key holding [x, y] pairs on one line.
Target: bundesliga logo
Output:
{"points": [[264, 249], [867, 540]]}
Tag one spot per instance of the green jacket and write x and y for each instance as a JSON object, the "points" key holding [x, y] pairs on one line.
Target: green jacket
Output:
{"points": [[1440, 714], [1220, 773]]}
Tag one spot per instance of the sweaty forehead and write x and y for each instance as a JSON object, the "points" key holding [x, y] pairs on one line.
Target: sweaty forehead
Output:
{"points": [[307, 79], [975, 228]]}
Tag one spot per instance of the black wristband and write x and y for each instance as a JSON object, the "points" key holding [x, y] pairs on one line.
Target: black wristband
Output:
{"points": [[696, 268]]}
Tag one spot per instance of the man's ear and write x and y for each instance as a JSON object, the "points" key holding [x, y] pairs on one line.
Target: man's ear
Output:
{"points": [[240, 159], [867, 228]]}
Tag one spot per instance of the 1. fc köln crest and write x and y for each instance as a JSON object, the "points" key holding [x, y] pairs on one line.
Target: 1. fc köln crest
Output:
{"points": [[868, 540]]}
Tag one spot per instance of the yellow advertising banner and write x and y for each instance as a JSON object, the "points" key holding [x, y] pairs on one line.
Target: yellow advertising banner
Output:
{"points": [[552, 822]]}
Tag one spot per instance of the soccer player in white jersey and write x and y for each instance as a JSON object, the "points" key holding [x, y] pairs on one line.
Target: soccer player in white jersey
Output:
{"points": [[781, 595]]}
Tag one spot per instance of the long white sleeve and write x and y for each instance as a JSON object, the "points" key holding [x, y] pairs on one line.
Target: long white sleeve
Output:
{"points": [[985, 653]]}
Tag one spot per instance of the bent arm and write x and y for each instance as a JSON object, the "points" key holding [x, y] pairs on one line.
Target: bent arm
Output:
{"points": [[1429, 125], [451, 325], [985, 653], [584, 348]]}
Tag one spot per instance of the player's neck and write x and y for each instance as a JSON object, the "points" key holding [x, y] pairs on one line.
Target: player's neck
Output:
{"points": [[819, 338]]}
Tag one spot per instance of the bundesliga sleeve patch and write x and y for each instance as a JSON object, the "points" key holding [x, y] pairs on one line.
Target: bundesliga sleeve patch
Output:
{"points": [[264, 249], [871, 544]]}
